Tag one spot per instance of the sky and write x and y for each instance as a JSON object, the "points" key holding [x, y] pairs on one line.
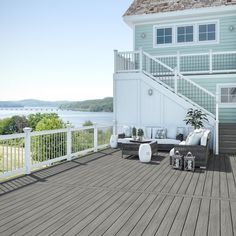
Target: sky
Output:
{"points": [[60, 49]]}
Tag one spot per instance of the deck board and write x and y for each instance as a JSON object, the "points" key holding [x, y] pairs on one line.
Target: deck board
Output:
{"points": [[103, 194]]}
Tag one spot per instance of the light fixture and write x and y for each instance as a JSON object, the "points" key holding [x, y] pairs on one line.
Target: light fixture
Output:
{"points": [[150, 92], [143, 35], [231, 28]]}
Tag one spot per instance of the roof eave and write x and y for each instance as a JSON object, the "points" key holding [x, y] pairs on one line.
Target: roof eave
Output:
{"points": [[131, 20]]}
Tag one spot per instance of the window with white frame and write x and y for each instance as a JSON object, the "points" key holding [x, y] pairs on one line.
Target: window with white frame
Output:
{"points": [[228, 95], [184, 34], [207, 32], [196, 33], [164, 36]]}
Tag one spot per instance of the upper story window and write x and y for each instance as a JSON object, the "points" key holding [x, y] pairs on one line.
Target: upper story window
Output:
{"points": [[192, 33], [207, 32], [163, 36], [228, 95], [184, 34]]}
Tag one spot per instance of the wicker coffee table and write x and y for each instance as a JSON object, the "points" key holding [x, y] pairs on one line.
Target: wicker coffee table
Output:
{"points": [[131, 148]]}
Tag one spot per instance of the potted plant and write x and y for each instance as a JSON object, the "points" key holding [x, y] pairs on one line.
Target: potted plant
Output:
{"points": [[195, 118], [140, 134], [134, 133]]}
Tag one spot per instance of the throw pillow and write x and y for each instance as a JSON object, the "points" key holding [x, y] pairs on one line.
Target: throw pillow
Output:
{"points": [[194, 137], [171, 132], [161, 133]]}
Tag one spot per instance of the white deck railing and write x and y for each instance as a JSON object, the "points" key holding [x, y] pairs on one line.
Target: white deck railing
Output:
{"points": [[21, 153], [201, 63]]}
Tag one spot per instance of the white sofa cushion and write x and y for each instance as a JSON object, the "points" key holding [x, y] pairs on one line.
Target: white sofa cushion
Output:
{"points": [[148, 132], [171, 132], [205, 137], [127, 131], [167, 141], [194, 137]]}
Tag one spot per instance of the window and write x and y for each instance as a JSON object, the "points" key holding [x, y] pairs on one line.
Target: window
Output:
{"points": [[164, 36], [184, 34], [228, 95], [207, 32]]}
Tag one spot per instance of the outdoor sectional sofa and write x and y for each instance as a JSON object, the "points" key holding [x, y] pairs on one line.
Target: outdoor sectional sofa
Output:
{"points": [[166, 140]]}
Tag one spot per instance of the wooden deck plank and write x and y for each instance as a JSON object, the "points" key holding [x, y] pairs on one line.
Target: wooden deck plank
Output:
{"points": [[214, 218], [203, 217], [226, 224], [108, 222], [169, 218], [191, 220], [147, 216], [233, 212], [80, 221], [92, 225], [46, 218], [134, 219], [178, 224], [224, 192], [57, 216], [114, 229], [155, 222], [64, 224], [105, 194], [216, 178]]}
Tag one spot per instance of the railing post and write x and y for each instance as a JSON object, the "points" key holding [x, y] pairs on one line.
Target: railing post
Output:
{"points": [[178, 61], [141, 59], [95, 137], [176, 80], [114, 127], [69, 142], [217, 125], [115, 60], [210, 62], [27, 131]]}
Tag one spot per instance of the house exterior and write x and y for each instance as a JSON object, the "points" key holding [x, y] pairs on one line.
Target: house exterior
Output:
{"points": [[184, 56]]}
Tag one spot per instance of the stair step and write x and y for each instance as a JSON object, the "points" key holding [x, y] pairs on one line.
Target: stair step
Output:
{"points": [[228, 151], [228, 137], [227, 145]]}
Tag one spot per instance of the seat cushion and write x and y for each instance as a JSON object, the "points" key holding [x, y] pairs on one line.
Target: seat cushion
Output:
{"points": [[167, 141], [194, 137]]}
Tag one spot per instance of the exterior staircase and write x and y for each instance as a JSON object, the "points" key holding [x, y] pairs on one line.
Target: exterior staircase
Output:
{"points": [[227, 138], [172, 79]]}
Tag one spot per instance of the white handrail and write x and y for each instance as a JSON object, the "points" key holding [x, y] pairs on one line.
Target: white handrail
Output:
{"points": [[20, 153]]}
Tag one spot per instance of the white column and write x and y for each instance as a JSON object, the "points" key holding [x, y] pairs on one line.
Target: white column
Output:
{"points": [[114, 127], [95, 137], [210, 62], [27, 151], [69, 142], [217, 126], [115, 60]]}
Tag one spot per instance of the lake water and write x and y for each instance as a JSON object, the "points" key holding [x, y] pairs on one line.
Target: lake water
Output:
{"points": [[76, 118]]}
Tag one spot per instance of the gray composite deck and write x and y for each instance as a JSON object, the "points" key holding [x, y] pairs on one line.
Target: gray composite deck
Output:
{"points": [[103, 194]]}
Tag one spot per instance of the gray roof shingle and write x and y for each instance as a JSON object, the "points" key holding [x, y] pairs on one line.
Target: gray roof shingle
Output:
{"points": [[141, 7]]}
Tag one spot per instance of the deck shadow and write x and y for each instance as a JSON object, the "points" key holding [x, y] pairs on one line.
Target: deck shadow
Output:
{"points": [[41, 176]]}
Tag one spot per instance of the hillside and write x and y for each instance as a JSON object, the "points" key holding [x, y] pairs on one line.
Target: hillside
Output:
{"points": [[98, 105], [31, 103]]}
